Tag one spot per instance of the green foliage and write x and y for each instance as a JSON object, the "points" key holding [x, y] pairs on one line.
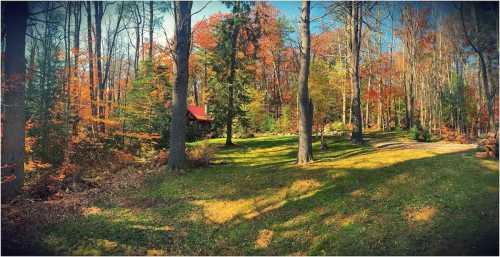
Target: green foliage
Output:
{"points": [[269, 124], [256, 110], [422, 135], [144, 110], [413, 133], [219, 84], [45, 98], [453, 101], [284, 122], [337, 126], [323, 94]]}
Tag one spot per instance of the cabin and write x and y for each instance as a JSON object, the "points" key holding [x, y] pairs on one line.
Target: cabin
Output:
{"points": [[198, 122]]}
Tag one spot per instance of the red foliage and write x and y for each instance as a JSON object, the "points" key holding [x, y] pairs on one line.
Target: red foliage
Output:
{"points": [[203, 31]]}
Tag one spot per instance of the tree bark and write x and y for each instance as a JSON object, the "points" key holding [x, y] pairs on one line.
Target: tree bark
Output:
{"points": [[13, 97], [150, 54], [101, 103], [67, 104], [93, 91], [489, 91], [111, 47], [356, 25], [76, 52], [138, 22], [305, 111], [177, 155], [232, 70]]}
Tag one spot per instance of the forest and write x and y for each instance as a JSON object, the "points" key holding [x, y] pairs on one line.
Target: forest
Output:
{"points": [[249, 128]]}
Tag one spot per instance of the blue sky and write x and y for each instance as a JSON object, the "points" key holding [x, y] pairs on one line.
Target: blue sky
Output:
{"points": [[291, 10]]}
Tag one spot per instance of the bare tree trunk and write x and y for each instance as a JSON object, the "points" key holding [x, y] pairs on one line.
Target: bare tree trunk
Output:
{"points": [[101, 104], [344, 106], [16, 16], [112, 46], [93, 94], [356, 25], [177, 155], [138, 22], [489, 91], [379, 111], [305, 122], [150, 54], [76, 52], [67, 109]]}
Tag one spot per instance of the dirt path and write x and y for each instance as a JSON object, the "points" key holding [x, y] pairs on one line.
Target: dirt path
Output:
{"points": [[437, 147]]}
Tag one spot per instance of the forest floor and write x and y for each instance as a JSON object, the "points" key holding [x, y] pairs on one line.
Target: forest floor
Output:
{"points": [[391, 196]]}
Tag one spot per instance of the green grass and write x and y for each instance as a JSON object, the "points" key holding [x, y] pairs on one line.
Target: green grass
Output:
{"points": [[354, 200]]}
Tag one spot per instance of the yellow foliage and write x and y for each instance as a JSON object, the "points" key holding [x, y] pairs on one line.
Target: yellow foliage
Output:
{"points": [[33, 165]]}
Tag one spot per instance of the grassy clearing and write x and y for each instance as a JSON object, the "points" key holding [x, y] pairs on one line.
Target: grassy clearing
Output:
{"points": [[355, 200]]}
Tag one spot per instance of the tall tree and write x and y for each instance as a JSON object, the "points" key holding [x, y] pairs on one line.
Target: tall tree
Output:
{"points": [[177, 155], [99, 13], [480, 41], [76, 52], [13, 96], [93, 90], [355, 45], [150, 54], [232, 69], [305, 103]]}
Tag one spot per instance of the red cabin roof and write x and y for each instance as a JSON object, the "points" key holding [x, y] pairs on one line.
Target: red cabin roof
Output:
{"points": [[198, 113]]}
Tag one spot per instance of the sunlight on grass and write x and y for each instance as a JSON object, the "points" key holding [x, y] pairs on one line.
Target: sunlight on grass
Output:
{"points": [[264, 238], [218, 211], [374, 160], [221, 211], [257, 201], [424, 214], [491, 165]]}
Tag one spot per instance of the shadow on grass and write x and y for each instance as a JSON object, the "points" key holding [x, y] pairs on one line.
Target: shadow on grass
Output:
{"points": [[439, 205]]}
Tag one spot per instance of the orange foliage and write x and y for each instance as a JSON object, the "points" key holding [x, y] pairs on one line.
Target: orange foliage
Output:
{"points": [[203, 34], [34, 165], [142, 136], [123, 158], [161, 158]]}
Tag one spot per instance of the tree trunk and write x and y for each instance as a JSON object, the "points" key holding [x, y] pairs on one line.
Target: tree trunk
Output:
{"points": [[13, 97], [67, 104], [489, 91], [107, 64], [76, 52], [305, 122], [93, 94], [356, 25], [150, 54], [101, 103], [177, 155], [232, 70], [491, 98]]}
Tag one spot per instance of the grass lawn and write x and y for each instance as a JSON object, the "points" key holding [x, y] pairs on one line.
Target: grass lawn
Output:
{"points": [[353, 200]]}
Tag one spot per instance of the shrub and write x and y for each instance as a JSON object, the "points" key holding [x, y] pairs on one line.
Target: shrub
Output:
{"points": [[269, 125], [337, 126], [123, 158], [426, 135], [421, 135], [413, 133], [201, 155]]}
